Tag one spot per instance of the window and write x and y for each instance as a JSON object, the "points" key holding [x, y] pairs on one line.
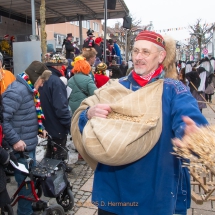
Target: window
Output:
{"points": [[86, 24], [59, 39], [95, 26], [75, 23], [77, 39]]}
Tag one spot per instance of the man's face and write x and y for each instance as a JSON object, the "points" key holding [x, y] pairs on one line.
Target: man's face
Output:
{"points": [[146, 57], [39, 83], [92, 60], [69, 38]]}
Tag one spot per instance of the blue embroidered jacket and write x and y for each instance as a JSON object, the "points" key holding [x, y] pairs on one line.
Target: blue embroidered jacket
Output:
{"points": [[155, 184]]}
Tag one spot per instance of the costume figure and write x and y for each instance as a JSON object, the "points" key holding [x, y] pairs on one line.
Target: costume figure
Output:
{"points": [[118, 52], [69, 47], [100, 75], [98, 48], [6, 77], [5, 45], [155, 183], [89, 41]]}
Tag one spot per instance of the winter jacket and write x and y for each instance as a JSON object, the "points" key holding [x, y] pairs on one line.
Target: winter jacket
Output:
{"points": [[98, 50], [86, 83], [7, 79], [20, 117], [69, 50], [53, 97]]}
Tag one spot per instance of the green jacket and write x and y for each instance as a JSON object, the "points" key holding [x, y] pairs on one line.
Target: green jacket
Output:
{"points": [[84, 82]]}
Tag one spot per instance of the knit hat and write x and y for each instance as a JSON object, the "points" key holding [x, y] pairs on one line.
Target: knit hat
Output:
{"points": [[101, 67], [81, 65], [37, 69], [6, 36], [152, 37], [98, 40]]}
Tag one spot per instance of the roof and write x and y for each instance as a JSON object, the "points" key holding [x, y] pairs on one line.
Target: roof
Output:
{"points": [[60, 11]]}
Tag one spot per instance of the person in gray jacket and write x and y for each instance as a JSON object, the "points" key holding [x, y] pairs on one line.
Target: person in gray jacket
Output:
{"points": [[22, 117]]}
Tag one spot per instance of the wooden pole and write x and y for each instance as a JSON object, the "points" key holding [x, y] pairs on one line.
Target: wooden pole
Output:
{"points": [[202, 96], [43, 30]]}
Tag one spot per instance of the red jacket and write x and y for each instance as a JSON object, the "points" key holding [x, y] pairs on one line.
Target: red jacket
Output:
{"points": [[100, 80]]}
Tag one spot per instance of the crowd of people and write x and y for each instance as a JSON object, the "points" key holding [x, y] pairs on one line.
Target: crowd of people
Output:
{"points": [[199, 78], [49, 98]]}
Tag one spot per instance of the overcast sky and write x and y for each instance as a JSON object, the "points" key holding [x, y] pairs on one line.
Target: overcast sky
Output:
{"points": [[171, 14]]}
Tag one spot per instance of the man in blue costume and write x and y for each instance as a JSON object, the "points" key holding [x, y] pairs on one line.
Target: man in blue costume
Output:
{"points": [[155, 184]]}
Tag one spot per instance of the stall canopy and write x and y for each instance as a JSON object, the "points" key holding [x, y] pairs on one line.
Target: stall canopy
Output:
{"points": [[60, 11]]}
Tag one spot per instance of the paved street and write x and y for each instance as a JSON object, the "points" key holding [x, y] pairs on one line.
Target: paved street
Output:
{"points": [[81, 179]]}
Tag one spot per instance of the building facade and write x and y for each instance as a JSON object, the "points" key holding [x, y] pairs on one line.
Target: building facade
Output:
{"points": [[56, 33]]}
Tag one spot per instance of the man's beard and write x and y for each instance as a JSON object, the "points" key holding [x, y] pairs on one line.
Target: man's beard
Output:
{"points": [[139, 71]]}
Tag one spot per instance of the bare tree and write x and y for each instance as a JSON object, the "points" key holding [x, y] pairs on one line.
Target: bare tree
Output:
{"points": [[43, 31], [119, 34], [200, 31]]}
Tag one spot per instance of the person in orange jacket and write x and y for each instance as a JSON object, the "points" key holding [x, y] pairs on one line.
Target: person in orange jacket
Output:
{"points": [[6, 77]]}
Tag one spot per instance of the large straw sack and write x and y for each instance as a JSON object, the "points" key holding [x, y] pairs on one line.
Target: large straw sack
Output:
{"points": [[130, 131]]}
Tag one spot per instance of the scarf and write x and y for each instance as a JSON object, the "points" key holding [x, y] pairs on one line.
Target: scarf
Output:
{"points": [[90, 39], [39, 110], [149, 78]]}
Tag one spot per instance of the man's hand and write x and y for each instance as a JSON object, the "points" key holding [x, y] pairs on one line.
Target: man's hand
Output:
{"points": [[99, 110], [19, 146], [190, 127], [44, 134]]}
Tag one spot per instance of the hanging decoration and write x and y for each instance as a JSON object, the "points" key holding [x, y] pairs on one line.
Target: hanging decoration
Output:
{"points": [[179, 28]]}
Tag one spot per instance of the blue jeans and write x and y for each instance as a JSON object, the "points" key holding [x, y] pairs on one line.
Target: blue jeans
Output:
{"points": [[24, 206]]}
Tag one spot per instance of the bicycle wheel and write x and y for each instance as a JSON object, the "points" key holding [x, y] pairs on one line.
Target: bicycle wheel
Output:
{"points": [[66, 199], [54, 210]]}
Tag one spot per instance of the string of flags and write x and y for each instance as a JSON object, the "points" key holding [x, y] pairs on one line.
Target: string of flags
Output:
{"points": [[180, 28]]}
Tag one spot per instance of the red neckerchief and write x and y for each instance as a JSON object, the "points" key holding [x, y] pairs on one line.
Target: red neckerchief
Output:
{"points": [[142, 81]]}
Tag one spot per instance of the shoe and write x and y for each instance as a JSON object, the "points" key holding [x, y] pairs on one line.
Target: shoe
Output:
{"points": [[70, 138]]}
